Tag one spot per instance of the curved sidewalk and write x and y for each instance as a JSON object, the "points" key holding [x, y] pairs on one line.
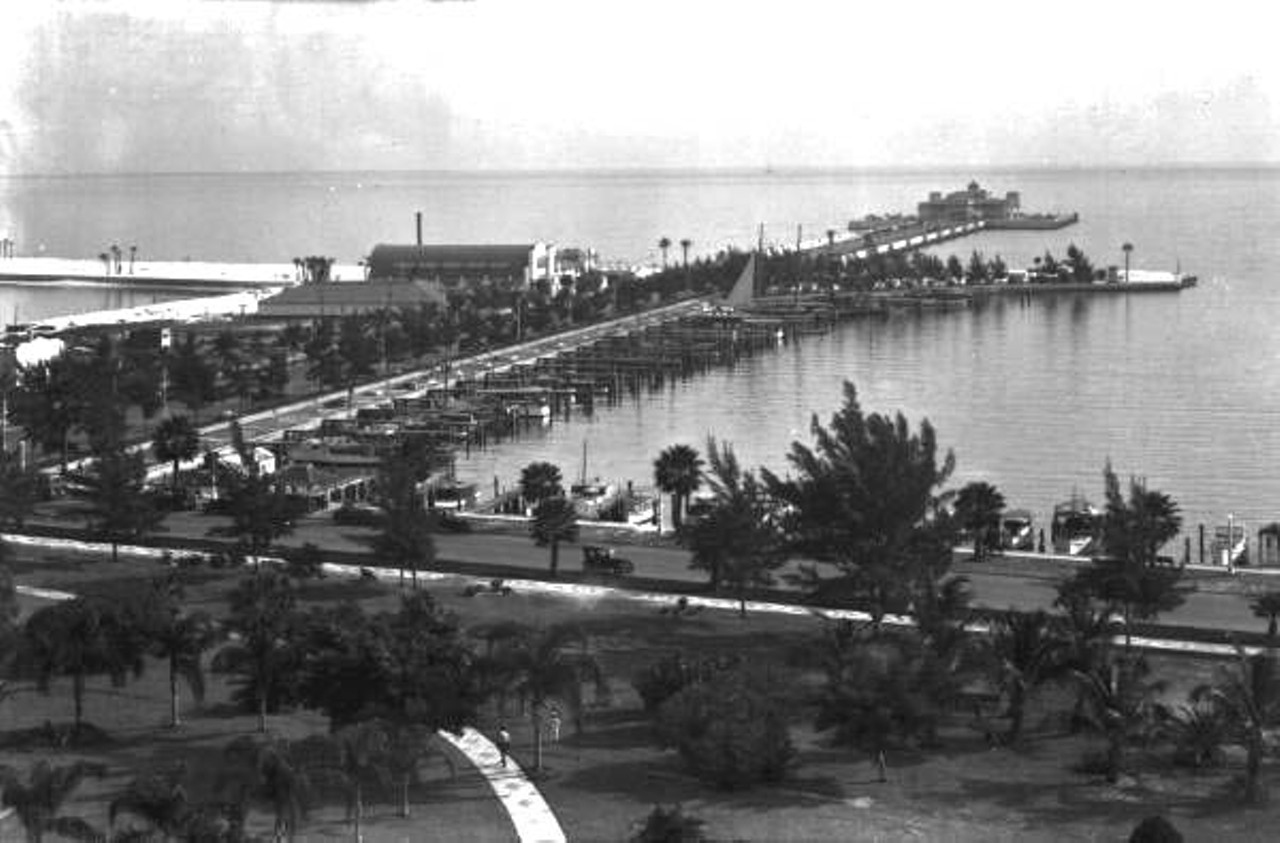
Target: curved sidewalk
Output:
{"points": [[533, 818]]}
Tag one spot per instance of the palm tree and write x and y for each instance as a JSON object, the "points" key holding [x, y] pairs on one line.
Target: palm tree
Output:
{"points": [[678, 472], [262, 617], [539, 481], [348, 758], [117, 257], [1249, 694], [978, 509], [1267, 605], [1028, 650], [1121, 704], [664, 243], [266, 770], [133, 254], [81, 638], [180, 640], [176, 440], [554, 521], [105, 257], [553, 664], [412, 746], [39, 798], [1127, 248]]}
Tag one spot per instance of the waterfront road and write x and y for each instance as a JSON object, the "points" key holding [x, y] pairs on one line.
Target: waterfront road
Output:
{"points": [[995, 585]]}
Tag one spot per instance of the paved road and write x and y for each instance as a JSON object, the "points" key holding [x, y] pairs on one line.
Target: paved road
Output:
{"points": [[991, 590]]}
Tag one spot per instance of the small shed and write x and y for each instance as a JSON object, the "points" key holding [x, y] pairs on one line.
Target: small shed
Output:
{"points": [[1269, 546]]}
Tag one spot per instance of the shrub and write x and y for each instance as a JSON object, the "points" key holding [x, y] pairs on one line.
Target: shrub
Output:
{"points": [[670, 826], [304, 563], [730, 729]]}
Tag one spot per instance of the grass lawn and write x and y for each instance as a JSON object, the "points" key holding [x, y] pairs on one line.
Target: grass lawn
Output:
{"points": [[604, 780]]}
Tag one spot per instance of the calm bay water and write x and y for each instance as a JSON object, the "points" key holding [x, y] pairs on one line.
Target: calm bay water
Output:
{"points": [[1180, 388]]}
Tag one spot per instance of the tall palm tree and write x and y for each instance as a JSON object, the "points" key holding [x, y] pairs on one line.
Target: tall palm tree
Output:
{"points": [[175, 440], [133, 254], [268, 771], [555, 520], [678, 472], [1249, 693], [38, 800], [553, 664], [1027, 650], [1127, 248], [1267, 605], [664, 243], [180, 640]]}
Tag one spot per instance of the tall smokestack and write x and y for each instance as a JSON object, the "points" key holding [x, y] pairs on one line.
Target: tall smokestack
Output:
{"points": [[418, 217]]}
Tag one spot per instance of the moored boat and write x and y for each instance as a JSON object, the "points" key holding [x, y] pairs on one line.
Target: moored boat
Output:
{"points": [[1076, 529]]}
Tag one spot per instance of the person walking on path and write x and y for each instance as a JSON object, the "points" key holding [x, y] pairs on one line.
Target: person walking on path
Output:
{"points": [[503, 743], [553, 724]]}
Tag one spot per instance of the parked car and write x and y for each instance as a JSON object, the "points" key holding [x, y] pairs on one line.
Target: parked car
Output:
{"points": [[602, 560], [358, 515]]}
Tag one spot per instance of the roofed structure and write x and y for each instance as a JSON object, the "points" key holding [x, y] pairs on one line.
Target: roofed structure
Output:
{"points": [[522, 262], [333, 298]]}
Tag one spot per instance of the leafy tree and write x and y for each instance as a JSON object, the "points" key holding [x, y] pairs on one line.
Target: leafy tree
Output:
{"points": [[267, 771], [38, 800], [1028, 650], [117, 500], [539, 481], [554, 521], [866, 500], [731, 732], [406, 539], [81, 638], [678, 472], [10, 632], [1120, 699], [667, 677], [262, 654], [1267, 605], [408, 667], [737, 539], [20, 489], [48, 404], [979, 506], [176, 440], [670, 825], [551, 664], [1248, 693]]}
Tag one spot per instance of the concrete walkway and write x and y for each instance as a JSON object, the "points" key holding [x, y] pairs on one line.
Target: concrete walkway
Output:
{"points": [[530, 814]]}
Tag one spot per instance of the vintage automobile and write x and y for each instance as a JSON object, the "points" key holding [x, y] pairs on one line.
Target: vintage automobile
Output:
{"points": [[602, 560]]}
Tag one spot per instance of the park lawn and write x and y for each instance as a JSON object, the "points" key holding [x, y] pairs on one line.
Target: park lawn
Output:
{"points": [[604, 781]]}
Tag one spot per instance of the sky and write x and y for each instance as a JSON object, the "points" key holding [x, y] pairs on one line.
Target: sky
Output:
{"points": [[252, 85]]}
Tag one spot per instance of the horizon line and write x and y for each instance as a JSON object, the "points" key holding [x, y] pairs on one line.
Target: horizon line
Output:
{"points": [[765, 169]]}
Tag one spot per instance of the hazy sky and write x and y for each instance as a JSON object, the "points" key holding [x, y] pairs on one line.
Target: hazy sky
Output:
{"points": [[166, 85]]}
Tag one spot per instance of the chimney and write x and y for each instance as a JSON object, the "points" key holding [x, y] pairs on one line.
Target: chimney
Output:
{"points": [[418, 217]]}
